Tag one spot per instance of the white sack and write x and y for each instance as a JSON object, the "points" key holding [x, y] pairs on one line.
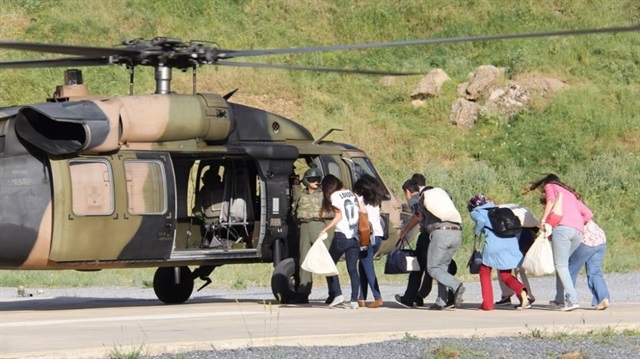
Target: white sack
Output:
{"points": [[318, 260], [539, 258]]}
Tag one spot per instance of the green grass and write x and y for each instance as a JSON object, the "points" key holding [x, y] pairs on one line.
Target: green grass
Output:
{"points": [[587, 134], [118, 352]]}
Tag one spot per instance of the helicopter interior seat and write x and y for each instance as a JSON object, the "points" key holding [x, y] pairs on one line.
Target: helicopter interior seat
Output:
{"points": [[236, 214]]}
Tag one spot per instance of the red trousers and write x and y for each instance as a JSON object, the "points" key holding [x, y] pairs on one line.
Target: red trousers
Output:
{"points": [[487, 288]]}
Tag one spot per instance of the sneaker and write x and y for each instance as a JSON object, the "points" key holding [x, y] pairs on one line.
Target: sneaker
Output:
{"points": [[329, 299], [504, 302], [375, 304], [419, 302], [556, 305], [524, 301], [457, 300], [400, 300], [450, 300], [450, 296], [569, 307], [337, 301], [604, 304], [440, 307], [352, 305]]}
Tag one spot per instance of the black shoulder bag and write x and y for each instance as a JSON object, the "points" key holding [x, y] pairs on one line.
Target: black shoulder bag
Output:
{"points": [[476, 257]]}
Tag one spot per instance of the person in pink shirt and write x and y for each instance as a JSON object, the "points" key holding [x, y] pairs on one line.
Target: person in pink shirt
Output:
{"points": [[566, 235]]}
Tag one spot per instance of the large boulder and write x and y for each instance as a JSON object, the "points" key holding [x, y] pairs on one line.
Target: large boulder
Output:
{"points": [[541, 85], [508, 100], [430, 85], [483, 80], [464, 113]]}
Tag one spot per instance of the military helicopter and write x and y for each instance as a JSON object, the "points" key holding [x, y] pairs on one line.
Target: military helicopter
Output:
{"points": [[91, 183]]}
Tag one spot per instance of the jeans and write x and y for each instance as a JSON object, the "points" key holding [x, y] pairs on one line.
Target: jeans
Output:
{"points": [[591, 257], [367, 271], [564, 241], [350, 247], [444, 243]]}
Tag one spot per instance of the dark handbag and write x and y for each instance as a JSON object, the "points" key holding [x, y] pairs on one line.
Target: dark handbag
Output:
{"points": [[475, 261], [401, 261]]}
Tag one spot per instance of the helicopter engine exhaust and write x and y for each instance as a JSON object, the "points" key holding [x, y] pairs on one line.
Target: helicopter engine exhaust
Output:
{"points": [[94, 126]]}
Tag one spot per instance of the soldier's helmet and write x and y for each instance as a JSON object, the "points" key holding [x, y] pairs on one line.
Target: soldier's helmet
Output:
{"points": [[211, 178], [312, 175]]}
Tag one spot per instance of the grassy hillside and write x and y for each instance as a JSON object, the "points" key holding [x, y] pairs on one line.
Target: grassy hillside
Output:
{"points": [[589, 134]]}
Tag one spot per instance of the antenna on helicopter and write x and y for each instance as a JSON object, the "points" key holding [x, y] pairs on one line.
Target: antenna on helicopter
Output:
{"points": [[131, 76], [194, 80], [319, 139]]}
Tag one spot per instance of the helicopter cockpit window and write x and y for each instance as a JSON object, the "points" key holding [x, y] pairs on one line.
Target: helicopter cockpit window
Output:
{"points": [[146, 187], [91, 188], [331, 166], [362, 166]]}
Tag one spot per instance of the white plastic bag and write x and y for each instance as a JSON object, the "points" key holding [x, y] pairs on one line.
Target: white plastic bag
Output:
{"points": [[318, 260], [539, 258]]}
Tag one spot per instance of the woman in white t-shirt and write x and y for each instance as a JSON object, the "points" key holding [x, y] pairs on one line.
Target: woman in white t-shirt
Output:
{"points": [[344, 204], [371, 194]]}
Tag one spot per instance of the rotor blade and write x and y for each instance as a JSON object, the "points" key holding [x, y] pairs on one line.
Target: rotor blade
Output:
{"points": [[225, 54], [68, 49], [63, 62], [319, 69]]}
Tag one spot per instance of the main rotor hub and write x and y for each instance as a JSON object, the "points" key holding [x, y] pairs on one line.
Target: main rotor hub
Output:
{"points": [[166, 52]]}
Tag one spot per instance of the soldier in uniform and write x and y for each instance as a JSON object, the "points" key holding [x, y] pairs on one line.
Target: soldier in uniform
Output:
{"points": [[209, 204], [306, 211]]}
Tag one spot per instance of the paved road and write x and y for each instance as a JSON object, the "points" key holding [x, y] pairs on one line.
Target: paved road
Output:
{"points": [[78, 323]]}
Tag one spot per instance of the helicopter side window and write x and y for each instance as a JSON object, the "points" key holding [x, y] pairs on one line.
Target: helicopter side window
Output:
{"points": [[146, 188], [362, 166], [91, 188]]}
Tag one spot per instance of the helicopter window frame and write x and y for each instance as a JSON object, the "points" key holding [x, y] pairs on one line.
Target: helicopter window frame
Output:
{"points": [[84, 203], [136, 204], [365, 167]]}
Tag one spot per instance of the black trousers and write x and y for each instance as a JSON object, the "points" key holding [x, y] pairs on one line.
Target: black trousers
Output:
{"points": [[420, 282]]}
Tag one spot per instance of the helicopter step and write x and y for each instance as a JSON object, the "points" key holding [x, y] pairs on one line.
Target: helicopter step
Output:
{"points": [[214, 254]]}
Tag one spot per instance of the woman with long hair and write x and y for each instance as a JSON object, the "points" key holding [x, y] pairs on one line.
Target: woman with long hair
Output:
{"points": [[344, 204], [566, 236], [371, 194]]}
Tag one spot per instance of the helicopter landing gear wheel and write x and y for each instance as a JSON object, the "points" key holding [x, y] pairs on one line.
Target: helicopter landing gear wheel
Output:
{"points": [[283, 281], [166, 288]]}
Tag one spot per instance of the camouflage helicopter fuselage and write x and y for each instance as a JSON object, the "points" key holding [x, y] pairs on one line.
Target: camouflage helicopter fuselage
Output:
{"points": [[109, 183]]}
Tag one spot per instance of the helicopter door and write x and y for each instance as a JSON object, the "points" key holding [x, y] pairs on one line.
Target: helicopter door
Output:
{"points": [[119, 207]]}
